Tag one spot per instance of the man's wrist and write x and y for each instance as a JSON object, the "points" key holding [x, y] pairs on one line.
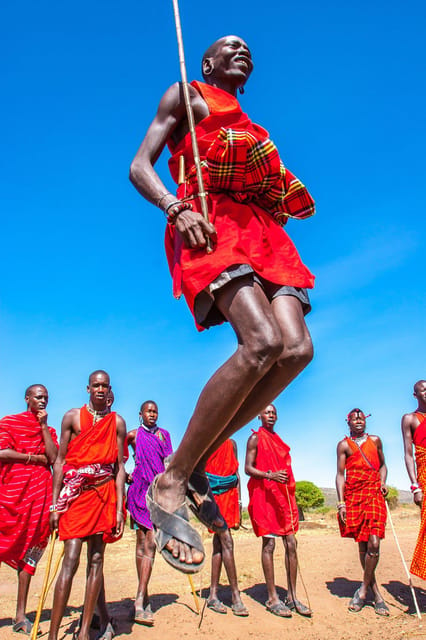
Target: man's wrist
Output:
{"points": [[53, 508], [268, 474]]}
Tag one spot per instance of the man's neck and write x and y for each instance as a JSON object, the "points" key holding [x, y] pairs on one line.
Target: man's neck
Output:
{"points": [[149, 427], [421, 408], [225, 86]]}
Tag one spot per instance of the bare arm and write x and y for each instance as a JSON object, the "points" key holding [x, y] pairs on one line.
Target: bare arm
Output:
{"points": [[407, 426], [10, 455], [171, 113], [58, 475], [340, 479], [251, 470], [383, 470], [120, 477], [51, 450]]}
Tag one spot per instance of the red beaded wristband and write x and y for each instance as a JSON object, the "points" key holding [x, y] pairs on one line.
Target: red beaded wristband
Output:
{"points": [[174, 209]]}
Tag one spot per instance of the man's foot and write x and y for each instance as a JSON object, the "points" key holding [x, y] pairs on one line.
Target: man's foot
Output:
{"points": [[108, 633], [299, 607], [239, 609], [216, 605], [278, 609], [381, 608], [23, 626], [144, 615], [357, 603], [178, 542]]}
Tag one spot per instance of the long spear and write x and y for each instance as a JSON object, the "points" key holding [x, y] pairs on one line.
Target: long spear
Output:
{"points": [[404, 564], [191, 123]]}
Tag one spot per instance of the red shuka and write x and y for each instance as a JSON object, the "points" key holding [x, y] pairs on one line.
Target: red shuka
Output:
{"points": [[272, 505], [246, 233], [25, 493], [365, 504], [418, 563], [94, 511], [224, 462]]}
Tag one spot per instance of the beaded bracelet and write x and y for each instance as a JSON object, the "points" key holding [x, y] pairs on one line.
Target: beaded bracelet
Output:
{"points": [[340, 505], [414, 486], [161, 198], [418, 490], [174, 209]]}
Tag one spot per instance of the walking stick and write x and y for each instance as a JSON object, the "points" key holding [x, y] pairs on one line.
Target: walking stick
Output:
{"points": [[404, 563], [297, 555], [194, 593], [44, 587], [191, 123]]}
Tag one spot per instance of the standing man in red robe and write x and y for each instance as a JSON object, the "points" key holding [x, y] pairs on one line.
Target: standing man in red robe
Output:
{"points": [[361, 490], [224, 479], [88, 492], [414, 434], [253, 278], [273, 510], [28, 449]]}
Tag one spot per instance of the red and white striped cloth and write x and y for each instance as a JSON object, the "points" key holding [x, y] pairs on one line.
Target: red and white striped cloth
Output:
{"points": [[25, 494]]}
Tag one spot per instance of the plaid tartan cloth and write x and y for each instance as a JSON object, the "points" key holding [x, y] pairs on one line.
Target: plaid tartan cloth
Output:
{"points": [[365, 505], [249, 169], [418, 563]]}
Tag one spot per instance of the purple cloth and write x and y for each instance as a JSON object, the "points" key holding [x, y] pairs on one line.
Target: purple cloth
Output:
{"points": [[152, 446]]}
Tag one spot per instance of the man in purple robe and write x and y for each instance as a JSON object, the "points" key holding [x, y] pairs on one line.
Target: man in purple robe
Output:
{"points": [[151, 446]]}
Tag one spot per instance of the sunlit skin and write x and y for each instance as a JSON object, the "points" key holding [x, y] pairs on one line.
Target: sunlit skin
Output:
{"points": [[145, 542], [274, 344], [368, 551], [36, 399], [409, 423], [268, 418], [98, 389]]}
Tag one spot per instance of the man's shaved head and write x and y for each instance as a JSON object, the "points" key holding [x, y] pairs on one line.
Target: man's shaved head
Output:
{"points": [[418, 385], [97, 372], [31, 388]]}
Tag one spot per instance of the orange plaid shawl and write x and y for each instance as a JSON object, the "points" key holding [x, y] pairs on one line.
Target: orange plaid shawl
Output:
{"points": [[418, 563]]}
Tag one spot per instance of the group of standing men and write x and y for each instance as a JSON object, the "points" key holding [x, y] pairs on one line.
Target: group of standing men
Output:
{"points": [[86, 501]]}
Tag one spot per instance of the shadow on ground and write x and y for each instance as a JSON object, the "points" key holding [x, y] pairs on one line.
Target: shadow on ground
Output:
{"points": [[402, 594]]}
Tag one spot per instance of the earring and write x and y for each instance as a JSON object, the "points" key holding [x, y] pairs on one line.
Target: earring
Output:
{"points": [[241, 90]]}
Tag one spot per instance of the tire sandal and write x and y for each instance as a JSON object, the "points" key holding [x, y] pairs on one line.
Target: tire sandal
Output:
{"points": [[381, 608], [279, 609], [216, 605], [202, 503], [299, 607], [357, 603], [239, 609]]}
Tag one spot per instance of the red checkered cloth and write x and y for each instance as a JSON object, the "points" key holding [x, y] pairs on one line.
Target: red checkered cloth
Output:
{"points": [[365, 504], [418, 563], [249, 169]]}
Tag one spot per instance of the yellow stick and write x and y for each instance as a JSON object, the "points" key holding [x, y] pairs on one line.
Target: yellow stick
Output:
{"points": [[44, 587], [194, 593]]}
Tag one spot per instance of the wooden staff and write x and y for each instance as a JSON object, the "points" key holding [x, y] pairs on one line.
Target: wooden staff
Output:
{"points": [[191, 123], [404, 564], [45, 585]]}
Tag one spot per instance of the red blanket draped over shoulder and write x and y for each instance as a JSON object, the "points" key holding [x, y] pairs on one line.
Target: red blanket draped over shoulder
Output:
{"points": [[224, 463], [272, 506], [365, 504], [25, 494], [246, 233], [94, 511], [418, 563]]}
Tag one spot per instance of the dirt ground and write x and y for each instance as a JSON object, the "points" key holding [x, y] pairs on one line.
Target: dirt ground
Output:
{"points": [[329, 567]]}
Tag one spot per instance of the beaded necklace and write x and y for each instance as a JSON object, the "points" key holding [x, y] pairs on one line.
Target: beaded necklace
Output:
{"points": [[97, 415]]}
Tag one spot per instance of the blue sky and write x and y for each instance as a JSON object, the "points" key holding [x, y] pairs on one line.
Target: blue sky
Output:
{"points": [[84, 278]]}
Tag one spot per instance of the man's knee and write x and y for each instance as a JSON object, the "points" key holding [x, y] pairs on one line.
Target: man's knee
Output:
{"points": [[268, 546], [298, 353], [227, 541], [263, 349], [290, 544], [373, 547], [71, 560]]}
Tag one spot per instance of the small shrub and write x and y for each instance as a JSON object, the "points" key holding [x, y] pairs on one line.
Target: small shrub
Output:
{"points": [[308, 495], [392, 498]]}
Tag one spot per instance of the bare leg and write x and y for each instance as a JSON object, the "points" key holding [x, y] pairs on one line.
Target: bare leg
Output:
{"points": [[94, 581], [268, 548], [369, 557], [63, 584], [216, 567], [295, 356], [227, 556], [260, 347], [145, 553], [24, 580], [290, 546], [101, 606]]}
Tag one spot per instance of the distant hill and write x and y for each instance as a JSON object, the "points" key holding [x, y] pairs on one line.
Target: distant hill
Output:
{"points": [[331, 497]]}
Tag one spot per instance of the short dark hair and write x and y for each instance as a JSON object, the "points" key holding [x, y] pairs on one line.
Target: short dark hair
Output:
{"points": [[95, 373], [33, 386], [143, 405]]}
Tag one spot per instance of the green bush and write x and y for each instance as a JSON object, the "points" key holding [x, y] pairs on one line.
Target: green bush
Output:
{"points": [[308, 495], [392, 498]]}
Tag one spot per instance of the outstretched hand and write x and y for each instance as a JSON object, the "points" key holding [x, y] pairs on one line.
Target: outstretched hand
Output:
{"points": [[194, 229]]}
